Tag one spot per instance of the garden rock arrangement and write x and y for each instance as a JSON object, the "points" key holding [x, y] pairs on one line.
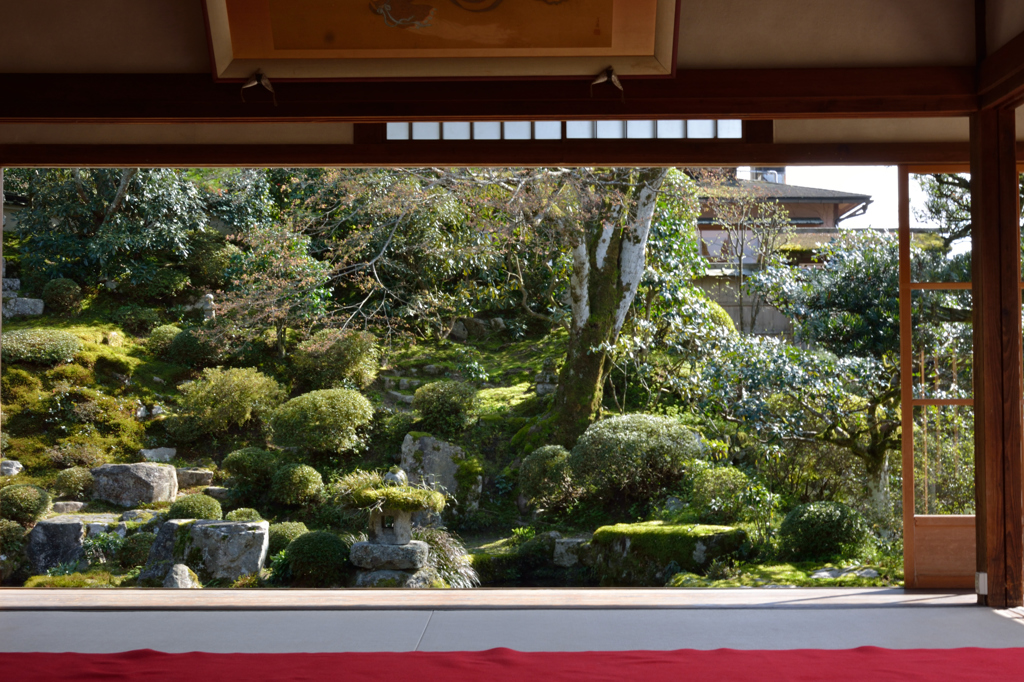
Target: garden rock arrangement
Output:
{"points": [[130, 484], [192, 477], [215, 550], [59, 540]]}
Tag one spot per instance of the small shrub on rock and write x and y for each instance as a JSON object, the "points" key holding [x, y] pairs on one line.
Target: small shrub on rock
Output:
{"points": [[226, 398], [544, 475], [251, 466], [135, 319], [160, 339], [75, 483], [629, 458], [333, 356], [23, 503], [243, 514], [135, 550], [196, 507], [297, 484], [444, 406], [318, 559], [62, 296], [329, 421], [39, 346], [281, 535], [718, 494], [821, 531]]}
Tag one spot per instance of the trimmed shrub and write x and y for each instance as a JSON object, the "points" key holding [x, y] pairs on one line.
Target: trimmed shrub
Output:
{"points": [[135, 550], [243, 514], [718, 494], [281, 535], [544, 475], [629, 458], [135, 319], [226, 398], [444, 405], [189, 349], [23, 503], [196, 507], [821, 531], [75, 483], [165, 284], [296, 484], [12, 537], [39, 346], [62, 296], [111, 363], [318, 559], [160, 339], [67, 455], [251, 466], [333, 356], [329, 421]]}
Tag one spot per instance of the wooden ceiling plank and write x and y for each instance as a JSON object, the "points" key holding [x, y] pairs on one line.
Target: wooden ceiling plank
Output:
{"points": [[1001, 76]]}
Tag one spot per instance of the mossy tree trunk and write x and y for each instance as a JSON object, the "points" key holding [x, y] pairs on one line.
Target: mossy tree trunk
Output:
{"points": [[609, 255]]}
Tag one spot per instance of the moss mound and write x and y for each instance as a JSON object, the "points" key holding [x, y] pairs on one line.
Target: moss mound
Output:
{"points": [[23, 503]]}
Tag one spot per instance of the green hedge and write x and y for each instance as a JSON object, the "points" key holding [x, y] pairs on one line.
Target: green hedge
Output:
{"points": [[23, 503], [39, 346], [329, 421]]}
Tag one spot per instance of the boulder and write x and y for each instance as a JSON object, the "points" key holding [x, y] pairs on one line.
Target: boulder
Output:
{"points": [[227, 550], [408, 384], [141, 413], [387, 578], [10, 467], [29, 307], [58, 540], [432, 370], [181, 577], [11, 284], [400, 397], [372, 556], [131, 484], [157, 410], [476, 328], [458, 333], [68, 507], [113, 339], [498, 324], [217, 492], [567, 550], [158, 454], [162, 552], [191, 477], [431, 462]]}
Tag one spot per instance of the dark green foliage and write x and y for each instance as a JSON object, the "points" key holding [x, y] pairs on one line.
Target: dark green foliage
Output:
{"points": [[821, 531], [161, 284], [62, 296], [76, 375], [718, 494], [448, 558], [23, 503], [333, 356], [297, 484], [251, 466], [281, 534], [544, 475], [160, 339], [17, 382], [196, 507], [444, 406], [39, 346], [225, 398], [136, 319], [627, 459], [66, 455], [192, 350], [243, 514], [208, 263], [318, 559], [135, 550], [75, 483], [12, 546], [329, 421]]}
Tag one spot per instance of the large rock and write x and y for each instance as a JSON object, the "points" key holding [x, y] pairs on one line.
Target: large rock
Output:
{"points": [[431, 462], [158, 454], [68, 507], [10, 467], [400, 397], [567, 550], [59, 540], [218, 492], [459, 333], [372, 556], [30, 307], [162, 552], [181, 577], [192, 477], [476, 328], [386, 578], [131, 484], [215, 550]]}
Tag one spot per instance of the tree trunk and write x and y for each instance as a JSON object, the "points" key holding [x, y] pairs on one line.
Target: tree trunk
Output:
{"points": [[609, 257], [877, 481]]}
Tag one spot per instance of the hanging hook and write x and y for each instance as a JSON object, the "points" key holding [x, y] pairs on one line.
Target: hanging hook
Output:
{"points": [[259, 78]]}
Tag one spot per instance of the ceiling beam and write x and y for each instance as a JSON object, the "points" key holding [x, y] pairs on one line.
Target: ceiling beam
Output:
{"points": [[1001, 76], [730, 93]]}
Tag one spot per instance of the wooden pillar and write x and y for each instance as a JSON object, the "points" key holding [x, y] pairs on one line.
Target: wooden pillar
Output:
{"points": [[997, 358]]}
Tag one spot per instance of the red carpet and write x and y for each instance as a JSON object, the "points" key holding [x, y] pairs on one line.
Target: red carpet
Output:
{"points": [[505, 665]]}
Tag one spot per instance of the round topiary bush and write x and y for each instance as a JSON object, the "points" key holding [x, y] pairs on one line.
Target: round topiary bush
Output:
{"points": [[717, 494], [191, 350], [251, 466], [329, 421], [196, 507], [444, 405], [332, 356], [75, 483], [12, 537], [318, 559], [62, 296], [281, 535], [160, 339], [23, 503], [296, 484], [544, 475], [135, 550], [243, 514], [820, 531], [627, 459], [39, 346], [224, 398], [135, 319]]}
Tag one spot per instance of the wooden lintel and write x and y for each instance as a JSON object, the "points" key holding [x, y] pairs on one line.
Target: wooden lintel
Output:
{"points": [[729, 93], [1001, 76]]}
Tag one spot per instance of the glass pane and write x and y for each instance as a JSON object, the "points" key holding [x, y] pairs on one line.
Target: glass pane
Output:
{"points": [[518, 130], [671, 130], [398, 131], [580, 130], [610, 130], [426, 130], [640, 129], [944, 459], [730, 129], [487, 130], [700, 129], [456, 130], [547, 130], [940, 221], [943, 345]]}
